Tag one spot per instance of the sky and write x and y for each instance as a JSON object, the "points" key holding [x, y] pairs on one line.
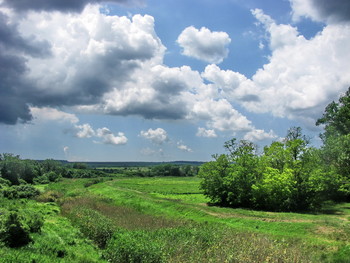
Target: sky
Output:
{"points": [[148, 80]]}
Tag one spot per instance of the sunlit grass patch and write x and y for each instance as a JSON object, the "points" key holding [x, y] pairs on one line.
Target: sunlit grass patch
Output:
{"points": [[164, 185]]}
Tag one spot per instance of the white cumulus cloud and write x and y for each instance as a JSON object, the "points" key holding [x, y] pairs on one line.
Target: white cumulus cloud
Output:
{"points": [[51, 114], [204, 44], [220, 115], [202, 132], [109, 138], [183, 147], [84, 131], [157, 136], [259, 135]]}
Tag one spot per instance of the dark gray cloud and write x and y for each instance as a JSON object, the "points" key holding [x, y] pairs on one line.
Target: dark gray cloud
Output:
{"points": [[154, 110], [250, 97], [13, 105], [87, 86], [57, 5], [13, 41], [335, 10]]}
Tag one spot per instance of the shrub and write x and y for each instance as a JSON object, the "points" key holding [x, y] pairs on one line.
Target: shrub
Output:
{"points": [[34, 221], [53, 176], [13, 232], [49, 196], [135, 247], [41, 180], [20, 191], [4, 182]]}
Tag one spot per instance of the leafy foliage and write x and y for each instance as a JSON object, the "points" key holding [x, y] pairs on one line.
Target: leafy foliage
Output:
{"points": [[288, 176], [275, 191], [20, 191], [336, 138], [336, 117]]}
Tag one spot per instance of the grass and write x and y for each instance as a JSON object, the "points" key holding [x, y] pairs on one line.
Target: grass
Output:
{"points": [[180, 198], [178, 202], [168, 220]]}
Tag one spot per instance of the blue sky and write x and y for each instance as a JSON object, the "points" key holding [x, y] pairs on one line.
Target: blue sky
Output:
{"points": [[147, 80]]}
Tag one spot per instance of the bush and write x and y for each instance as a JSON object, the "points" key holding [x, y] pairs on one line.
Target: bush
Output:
{"points": [[4, 182], [41, 180], [13, 232], [53, 176], [34, 221], [49, 196], [20, 191], [135, 247]]}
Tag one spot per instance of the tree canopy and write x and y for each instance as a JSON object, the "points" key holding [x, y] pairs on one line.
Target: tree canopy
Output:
{"points": [[336, 137]]}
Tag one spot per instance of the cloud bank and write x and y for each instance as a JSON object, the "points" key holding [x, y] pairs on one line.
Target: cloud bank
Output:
{"points": [[91, 62]]}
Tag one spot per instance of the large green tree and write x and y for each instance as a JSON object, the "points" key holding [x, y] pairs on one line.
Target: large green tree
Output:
{"points": [[287, 176], [228, 180], [336, 136], [336, 117]]}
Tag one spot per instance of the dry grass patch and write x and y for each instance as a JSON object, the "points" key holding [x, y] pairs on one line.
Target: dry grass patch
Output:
{"points": [[121, 216]]}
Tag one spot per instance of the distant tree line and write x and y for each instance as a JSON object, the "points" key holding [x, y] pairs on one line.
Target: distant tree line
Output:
{"points": [[15, 171], [289, 175], [166, 169], [174, 170]]}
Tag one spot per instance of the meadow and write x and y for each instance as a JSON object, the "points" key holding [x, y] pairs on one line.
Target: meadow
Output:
{"points": [[168, 219]]}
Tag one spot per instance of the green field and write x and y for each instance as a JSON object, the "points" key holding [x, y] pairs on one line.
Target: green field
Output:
{"points": [[167, 219]]}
